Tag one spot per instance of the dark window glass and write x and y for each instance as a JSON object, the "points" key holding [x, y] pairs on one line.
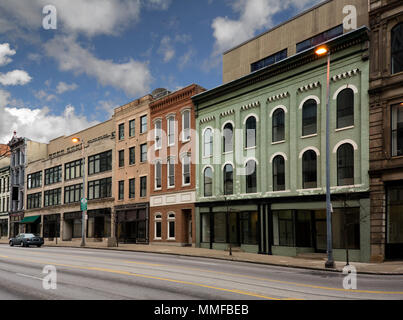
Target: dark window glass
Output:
{"points": [[100, 163], [171, 223], [220, 227], [309, 169], [186, 170], [132, 188], [158, 173], [228, 137], [394, 218], [121, 190], [397, 48], [73, 194], [73, 170], [121, 131], [171, 172], [251, 182], [34, 201], [397, 130], [100, 189], [320, 38], [143, 186], [158, 225], [278, 174], [132, 156], [250, 132], [278, 125], [228, 179], [309, 114], [121, 158], [34, 180], [345, 108], [208, 143], [269, 60], [53, 175], [346, 228], [205, 223], [208, 182], [158, 134], [52, 197], [143, 152], [248, 221], [285, 228], [303, 232], [143, 124], [132, 128], [345, 165]]}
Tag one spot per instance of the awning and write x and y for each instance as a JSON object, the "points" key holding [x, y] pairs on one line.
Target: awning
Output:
{"points": [[32, 219]]}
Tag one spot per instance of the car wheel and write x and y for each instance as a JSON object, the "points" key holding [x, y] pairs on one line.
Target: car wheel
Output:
{"points": [[38, 245], [11, 244]]}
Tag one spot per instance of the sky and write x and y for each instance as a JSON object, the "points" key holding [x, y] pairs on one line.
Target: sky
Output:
{"points": [[106, 53]]}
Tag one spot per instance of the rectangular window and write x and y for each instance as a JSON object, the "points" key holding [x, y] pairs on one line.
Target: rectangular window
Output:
{"points": [[186, 125], [121, 158], [205, 222], [346, 228], [52, 197], [132, 128], [132, 188], [158, 228], [320, 38], [158, 135], [171, 173], [171, 226], [397, 130], [121, 131], [101, 162], [220, 227], [99, 189], [73, 170], [73, 194], [53, 175], [286, 228], [34, 201], [143, 187], [132, 156], [394, 217], [171, 131], [249, 227], [269, 60], [34, 180], [186, 170], [143, 124], [121, 190], [143, 154], [158, 173]]}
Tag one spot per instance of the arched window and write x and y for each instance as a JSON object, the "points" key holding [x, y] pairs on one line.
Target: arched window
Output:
{"points": [[250, 132], [228, 179], [208, 142], [345, 165], [171, 226], [158, 134], [345, 108], [309, 114], [228, 137], [397, 48], [208, 182], [309, 169], [251, 181], [278, 125], [278, 173], [157, 226]]}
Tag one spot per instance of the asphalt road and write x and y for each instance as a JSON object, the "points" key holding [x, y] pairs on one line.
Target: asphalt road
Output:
{"points": [[106, 274]]}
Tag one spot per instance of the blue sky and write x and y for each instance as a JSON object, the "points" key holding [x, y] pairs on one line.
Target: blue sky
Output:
{"points": [[105, 53]]}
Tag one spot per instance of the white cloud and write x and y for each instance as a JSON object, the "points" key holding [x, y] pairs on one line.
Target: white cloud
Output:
{"points": [[63, 87], [254, 15], [5, 52], [107, 106], [132, 77], [15, 77], [158, 4], [43, 95], [185, 59], [166, 49]]}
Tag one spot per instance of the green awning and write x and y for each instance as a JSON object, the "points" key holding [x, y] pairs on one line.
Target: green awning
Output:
{"points": [[32, 219]]}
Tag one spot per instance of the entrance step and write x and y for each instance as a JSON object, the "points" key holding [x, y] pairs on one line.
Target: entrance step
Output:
{"points": [[312, 255]]}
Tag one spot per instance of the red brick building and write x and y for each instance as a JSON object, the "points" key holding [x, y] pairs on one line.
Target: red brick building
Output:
{"points": [[172, 169]]}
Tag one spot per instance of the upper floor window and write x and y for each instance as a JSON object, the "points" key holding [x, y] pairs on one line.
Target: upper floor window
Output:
{"points": [[143, 152], [53, 175], [121, 194], [171, 131], [228, 135], [186, 125], [208, 142], [309, 169], [143, 187], [132, 188], [158, 134], [278, 125], [345, 165], [158, 173], [121, 131], [320, 38], [73, 170], [100, 189], [34, 201], [228, 179], [397, 48], [53, 197], [208, 182], [73, 193], [171, 172], [269, 60], [278, 173], [186, 170], [397, 130], [251, 177], [34, 180], [250, 138], [132, 155], [121, 158], [132, 128], [100, 162], [143, 124], [309, 115], [345, 108]]}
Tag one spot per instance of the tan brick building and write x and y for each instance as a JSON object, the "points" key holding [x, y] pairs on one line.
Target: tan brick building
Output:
{"points": [[54, 186], [131, 170], [172, 168]]}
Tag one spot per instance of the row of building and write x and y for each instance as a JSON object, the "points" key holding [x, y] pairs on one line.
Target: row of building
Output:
{"points": [[243, 164]]}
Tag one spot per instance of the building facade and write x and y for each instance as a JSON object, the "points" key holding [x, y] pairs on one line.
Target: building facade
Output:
{"points": [[386, 133], [172, 168], [4, 191], [131, 170], [54, 187], [22, 152], [262, 156]]}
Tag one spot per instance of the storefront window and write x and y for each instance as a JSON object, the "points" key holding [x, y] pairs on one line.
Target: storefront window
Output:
{"points": [[249, 227], [220, 227], [205, 232], [395, 215], [303, 230], [285, 228], [346, 228]]}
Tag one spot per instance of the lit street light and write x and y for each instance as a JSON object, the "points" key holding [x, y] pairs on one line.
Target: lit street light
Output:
{"points": [[330, 262], [83, 201]]}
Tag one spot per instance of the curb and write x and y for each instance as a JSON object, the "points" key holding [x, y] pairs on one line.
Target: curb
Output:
{"points": [[233, 259]]}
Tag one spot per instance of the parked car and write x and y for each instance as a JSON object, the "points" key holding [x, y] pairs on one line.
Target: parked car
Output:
{"points": [[26, 240]]}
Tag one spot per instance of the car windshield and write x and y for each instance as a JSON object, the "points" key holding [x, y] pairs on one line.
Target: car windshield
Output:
{"points": [[29, 235]]}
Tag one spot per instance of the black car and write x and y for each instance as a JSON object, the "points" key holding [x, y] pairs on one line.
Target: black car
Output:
{"points": [[26, 240]]}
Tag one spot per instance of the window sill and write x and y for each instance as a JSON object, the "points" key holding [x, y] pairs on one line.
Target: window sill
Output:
{"points": [[171, 187], [278, 142], [345, 128], [228, 152], [309, 136], [250, 148], [207, 157]]}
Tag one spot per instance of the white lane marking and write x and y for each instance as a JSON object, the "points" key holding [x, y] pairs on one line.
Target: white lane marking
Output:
{"points": [[28, 276]]}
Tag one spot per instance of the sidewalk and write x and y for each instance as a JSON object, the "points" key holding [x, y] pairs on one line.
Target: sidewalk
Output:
{"points": [[386, 268]]}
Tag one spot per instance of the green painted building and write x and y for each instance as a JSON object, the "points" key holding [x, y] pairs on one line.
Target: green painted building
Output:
{"points": [[261, 160]]}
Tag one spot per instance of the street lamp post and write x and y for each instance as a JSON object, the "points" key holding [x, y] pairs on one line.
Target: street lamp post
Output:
{"points": [[82, 203], [330, 262]]}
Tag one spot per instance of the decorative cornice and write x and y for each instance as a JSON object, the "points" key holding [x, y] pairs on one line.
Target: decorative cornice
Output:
{"points": [[345, 75], [227, 113], [308, 87], [252, 105], [207, 119], [278, 96]]}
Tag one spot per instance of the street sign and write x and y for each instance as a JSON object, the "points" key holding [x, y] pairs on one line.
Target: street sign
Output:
{"points": [[84, 204]]}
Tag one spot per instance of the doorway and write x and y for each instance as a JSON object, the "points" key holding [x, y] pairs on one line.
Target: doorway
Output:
{"points": [[320, 231]]}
